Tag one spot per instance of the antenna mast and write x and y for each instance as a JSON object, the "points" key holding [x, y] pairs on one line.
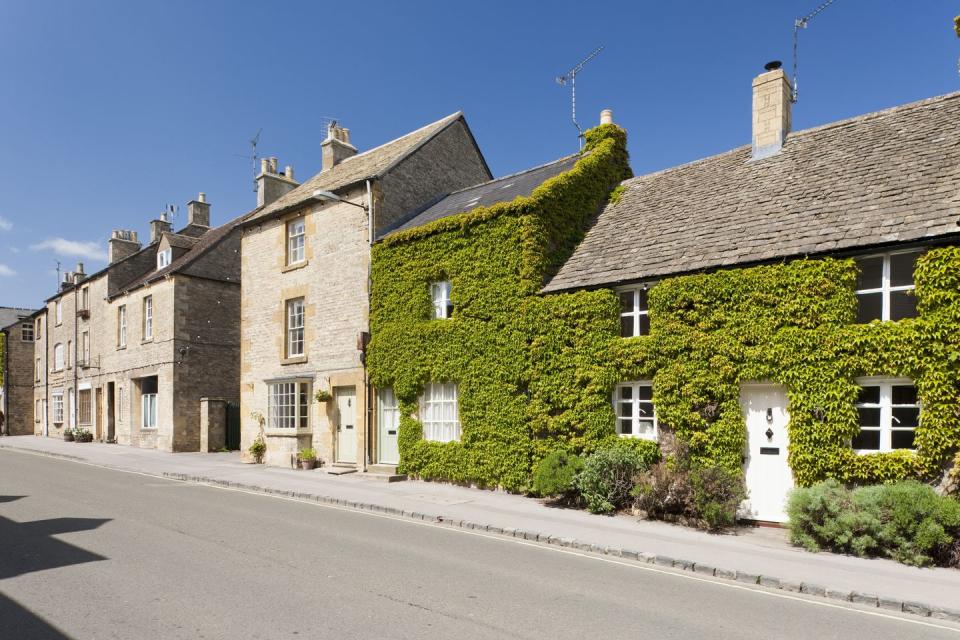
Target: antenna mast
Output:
{"points": [[801, 23], [571, 77], [253, 156]]}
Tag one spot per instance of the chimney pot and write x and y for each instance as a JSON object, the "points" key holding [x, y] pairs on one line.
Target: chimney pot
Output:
{"points": [[773, 65], [771, 111], [606, 116], [202, 197], [264, 165], [288, 171], [336, 148]]}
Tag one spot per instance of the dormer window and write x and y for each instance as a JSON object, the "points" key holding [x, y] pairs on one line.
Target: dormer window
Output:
{"points": [[164, 258], [440, 293]]}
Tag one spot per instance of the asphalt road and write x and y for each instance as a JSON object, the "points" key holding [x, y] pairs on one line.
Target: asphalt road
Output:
{"points": [[92, 553]]}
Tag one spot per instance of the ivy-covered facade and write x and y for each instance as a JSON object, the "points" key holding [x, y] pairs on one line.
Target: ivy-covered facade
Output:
{"points": [[848, 300]]}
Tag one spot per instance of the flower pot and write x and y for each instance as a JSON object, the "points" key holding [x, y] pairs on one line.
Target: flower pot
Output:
{"points": [[308, 465], [68, 437]]}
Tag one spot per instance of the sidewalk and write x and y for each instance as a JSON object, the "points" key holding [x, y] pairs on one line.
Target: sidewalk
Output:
{"points": [[752, 555]]}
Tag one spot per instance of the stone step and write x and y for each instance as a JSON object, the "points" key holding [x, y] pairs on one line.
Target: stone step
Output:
{"points": [[385, 473], [341, 469]]}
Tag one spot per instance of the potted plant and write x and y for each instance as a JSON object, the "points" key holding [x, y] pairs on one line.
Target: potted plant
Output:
{"points": [[322, 395], [307, 458], [68, 435], [258, 449], [82, 435]]}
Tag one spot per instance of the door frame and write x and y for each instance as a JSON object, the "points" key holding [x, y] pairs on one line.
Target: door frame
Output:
{"points": [[339, 391], [767, 385], [380, 427]]}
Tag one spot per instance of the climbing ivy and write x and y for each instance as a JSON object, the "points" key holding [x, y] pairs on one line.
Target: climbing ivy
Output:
{"points": [[536, 372]]}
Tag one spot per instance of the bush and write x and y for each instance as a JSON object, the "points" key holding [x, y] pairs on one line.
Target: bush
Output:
{"points": [[906, 521], [307, 453], [258, 449], [554, 475], [607, 476], [678, 489]]}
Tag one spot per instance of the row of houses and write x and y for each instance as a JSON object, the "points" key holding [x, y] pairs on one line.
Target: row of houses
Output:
{"points": [[789, 307]]}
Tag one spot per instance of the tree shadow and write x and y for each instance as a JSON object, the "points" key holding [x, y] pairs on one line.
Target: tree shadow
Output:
{"points": [[10, 498], [29, 546], [16, 621]]}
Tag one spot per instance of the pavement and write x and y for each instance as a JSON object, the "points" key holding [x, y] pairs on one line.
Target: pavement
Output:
{"points": [[748, 556], [89, 552]]}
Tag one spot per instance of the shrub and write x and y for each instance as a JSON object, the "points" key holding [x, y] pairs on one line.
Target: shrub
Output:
{"points": [[258, 449], [554, 475], [717, 494], [607, 477], [906, 521], [307, 453]]}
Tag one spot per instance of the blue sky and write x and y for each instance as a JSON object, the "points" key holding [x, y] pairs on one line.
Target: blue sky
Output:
{"points": [[111, 110]]}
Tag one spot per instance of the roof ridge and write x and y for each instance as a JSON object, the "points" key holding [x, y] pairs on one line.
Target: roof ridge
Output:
{"points": [[804, 132]]}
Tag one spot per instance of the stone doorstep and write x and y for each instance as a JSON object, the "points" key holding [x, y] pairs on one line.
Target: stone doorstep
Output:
{"points": [[810, 589], [341, 469], [384, 473]]}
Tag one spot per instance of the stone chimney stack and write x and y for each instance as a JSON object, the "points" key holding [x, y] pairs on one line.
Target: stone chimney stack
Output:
{"points": [[336, 148], [272, 185], [159, 227], [198, 211], [122, 243], [772, 99]]}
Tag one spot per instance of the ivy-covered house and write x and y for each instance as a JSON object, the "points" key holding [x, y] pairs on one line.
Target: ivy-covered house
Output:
{"points": [[789, 308]]}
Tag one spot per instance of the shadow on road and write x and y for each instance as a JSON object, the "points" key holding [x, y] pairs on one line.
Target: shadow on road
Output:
{"points": [[17, 621], [30, 546]]}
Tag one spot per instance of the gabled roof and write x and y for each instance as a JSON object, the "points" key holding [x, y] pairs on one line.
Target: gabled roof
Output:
{"points": [[179, 241], [204, 243], [13, 315], [364, 166], [487, 193], [881, 178]]}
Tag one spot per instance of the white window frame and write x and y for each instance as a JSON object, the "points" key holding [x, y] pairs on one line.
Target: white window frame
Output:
{"points": [[38, 330], [440, 412], [886, 406], [85, 348], [885, 289], [85, 298], [288, 405], [636, 312], [38, 371], [148, 318], [26, 329], [296, 311], [296, 240], [148, 411], [72, 407], [635, 404], [57, 407], [122, 326], [58, 312], [440, 297], [37, 410], [164, 258], [120, 403], [58, 362]]}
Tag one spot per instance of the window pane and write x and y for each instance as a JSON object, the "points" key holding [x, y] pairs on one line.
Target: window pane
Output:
{"points": [[869, 417], [868, 440], [645, 409], [901, 268], [869, 307], [626, 392], [902, 439], [645, 392], [626, 302], [869, 395], [645, 427], [626, 326], [642, 300], [903, 304], [626, 427], [905, 416], [626, 409], [871, 273], [904, 394], [644, 322]]}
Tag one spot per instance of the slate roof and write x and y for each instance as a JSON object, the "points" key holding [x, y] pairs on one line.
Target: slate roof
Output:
{"points": [[885, 177], [180, 241], [485, 194], [363, 166], [13, 315]]}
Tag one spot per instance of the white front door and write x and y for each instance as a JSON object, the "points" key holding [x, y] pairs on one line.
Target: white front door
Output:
{"points": [[768, 476], [346, 424], [388, 424]]}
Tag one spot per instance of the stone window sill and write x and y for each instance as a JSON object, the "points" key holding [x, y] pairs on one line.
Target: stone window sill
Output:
{"points": [[287, 433], [295, 360], [294, 266]]}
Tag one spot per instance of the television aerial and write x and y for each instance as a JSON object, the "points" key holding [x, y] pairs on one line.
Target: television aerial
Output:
{"points": [[571, 77], [801, 23]]}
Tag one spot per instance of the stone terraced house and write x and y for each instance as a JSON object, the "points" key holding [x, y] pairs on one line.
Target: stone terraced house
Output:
{"points": [[145, 352], [305, 274], [16, 392], [789, 309]]}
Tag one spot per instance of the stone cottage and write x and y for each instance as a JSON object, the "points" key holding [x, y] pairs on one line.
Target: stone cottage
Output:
{"points": [[146, 351], [305, 274], [16, 392]]}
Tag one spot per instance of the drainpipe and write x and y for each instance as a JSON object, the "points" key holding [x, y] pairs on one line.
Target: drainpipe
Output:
{"points": [[76, 346], [366, 378], [6, 383], [46, 375]]}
